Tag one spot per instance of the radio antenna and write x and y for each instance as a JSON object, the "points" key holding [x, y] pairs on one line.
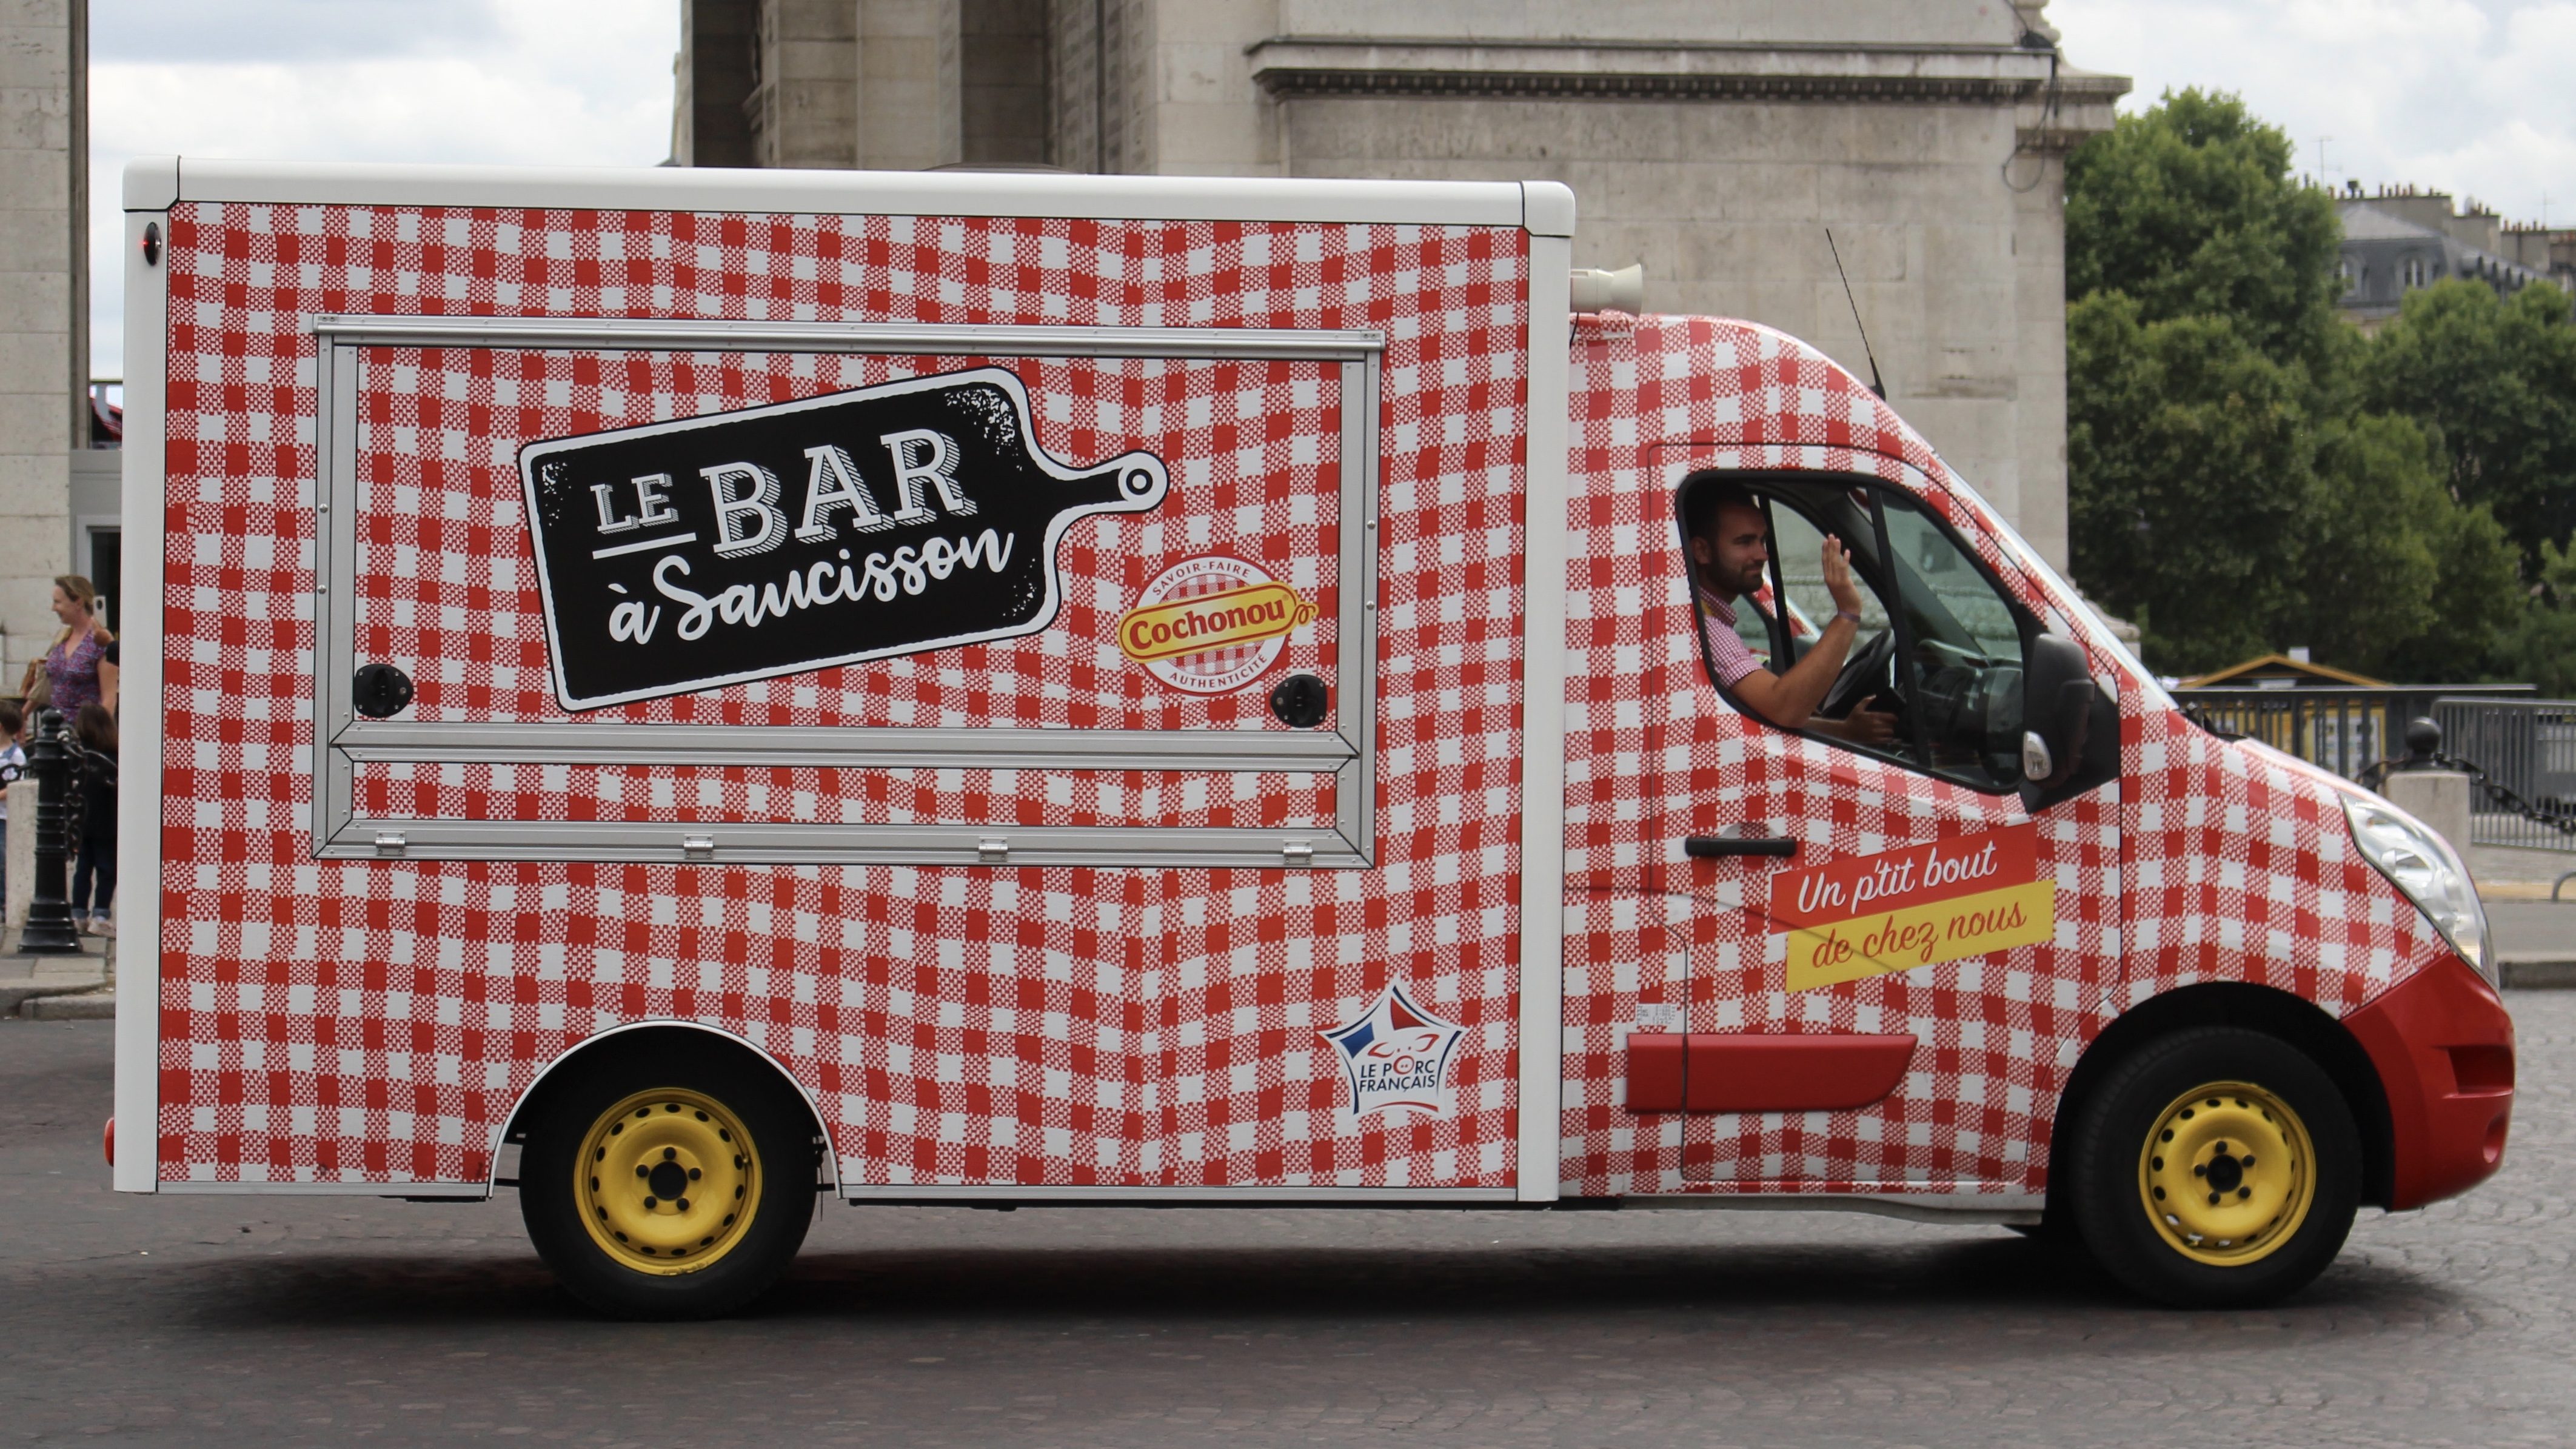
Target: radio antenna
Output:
{"points": [[1874, 384]]}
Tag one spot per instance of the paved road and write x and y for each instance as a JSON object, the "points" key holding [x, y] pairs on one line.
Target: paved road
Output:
{"points": [[239, 1321]]}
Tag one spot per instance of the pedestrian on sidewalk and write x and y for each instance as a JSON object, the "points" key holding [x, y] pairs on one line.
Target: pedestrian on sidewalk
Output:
{"points": [[94, 870], [76, 670], [13, 763]]}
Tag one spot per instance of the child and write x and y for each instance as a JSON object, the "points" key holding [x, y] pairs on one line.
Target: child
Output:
{"points": [[13, 763], [95, 730]]}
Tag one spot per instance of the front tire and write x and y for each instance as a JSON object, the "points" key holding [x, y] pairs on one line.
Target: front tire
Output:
{"points": [[668, 1178], [2217, 1168]]}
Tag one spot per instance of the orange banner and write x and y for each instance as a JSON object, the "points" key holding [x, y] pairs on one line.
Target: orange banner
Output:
{"points": [[1915, 875], [1942, 901], [1210, 621]]}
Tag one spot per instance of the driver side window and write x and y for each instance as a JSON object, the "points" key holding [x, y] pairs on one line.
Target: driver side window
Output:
{"points": [[1939, 647], [1798, 557]]}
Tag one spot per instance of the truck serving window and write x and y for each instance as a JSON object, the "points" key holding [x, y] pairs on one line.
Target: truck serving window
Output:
{"points": [[1940, 645], [844, 593]]}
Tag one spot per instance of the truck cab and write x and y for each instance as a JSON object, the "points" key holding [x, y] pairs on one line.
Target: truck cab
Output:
{"points": [[2046, 948]]}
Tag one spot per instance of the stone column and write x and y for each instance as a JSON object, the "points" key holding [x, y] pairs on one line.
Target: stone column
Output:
{"points": [[1002, 80], [804, 55], [908, 93], [2072, 107], [44, 362], [711, 78]]}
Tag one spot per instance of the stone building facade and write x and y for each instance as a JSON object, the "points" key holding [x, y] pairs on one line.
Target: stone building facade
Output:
{"points": [[2405, 237], [44, 315], [1716, 141]]}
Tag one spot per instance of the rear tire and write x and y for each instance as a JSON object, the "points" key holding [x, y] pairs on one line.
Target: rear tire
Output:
{"points": [[665, 1177], [2216, 1168]]}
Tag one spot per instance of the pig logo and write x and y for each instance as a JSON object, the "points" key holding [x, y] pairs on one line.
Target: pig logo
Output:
{"points": [[1397, 1055], [917, 515]]}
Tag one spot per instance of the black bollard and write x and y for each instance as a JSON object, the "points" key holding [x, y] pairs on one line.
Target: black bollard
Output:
{"points": [[2423, 745], [49, 929]]}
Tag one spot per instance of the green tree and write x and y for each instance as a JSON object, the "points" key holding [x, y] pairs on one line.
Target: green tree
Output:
{"points": [[2542, 647], [2496, 382], [2189, 207], [2395, 579], [2244, 470], [2188, 453]]}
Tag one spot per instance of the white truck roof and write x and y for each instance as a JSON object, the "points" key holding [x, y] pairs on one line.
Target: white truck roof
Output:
{"points": [[155, 183]]}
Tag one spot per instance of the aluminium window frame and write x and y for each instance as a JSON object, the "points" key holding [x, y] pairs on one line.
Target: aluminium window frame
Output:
{"points": [[1345, 750]]}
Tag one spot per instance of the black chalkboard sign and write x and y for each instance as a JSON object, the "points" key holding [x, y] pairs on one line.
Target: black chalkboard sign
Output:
{"points": [[918, 515]]}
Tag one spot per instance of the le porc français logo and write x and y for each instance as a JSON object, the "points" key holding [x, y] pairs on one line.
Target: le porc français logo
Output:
{"points": [[1398, 1056], [916, 515]]}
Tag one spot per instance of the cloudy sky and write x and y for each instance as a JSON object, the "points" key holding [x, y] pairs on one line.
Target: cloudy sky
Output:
{"points": [[515, 82], [2467, 95]]}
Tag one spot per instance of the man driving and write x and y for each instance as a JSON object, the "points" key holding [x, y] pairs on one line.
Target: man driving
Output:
{"points": [[1730, 549]]}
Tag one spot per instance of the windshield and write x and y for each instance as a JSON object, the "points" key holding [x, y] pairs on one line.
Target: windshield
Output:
{"points": [[2079, 614]]}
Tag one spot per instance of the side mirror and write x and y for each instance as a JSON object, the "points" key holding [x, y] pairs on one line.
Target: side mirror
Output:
{"points": [[2057, 713]]}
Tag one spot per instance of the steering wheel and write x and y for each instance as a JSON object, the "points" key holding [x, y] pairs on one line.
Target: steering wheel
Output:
{"points": [[1870, 670]]}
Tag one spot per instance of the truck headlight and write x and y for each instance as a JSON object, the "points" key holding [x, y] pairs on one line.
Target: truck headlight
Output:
{"points": [[2423, 866]]}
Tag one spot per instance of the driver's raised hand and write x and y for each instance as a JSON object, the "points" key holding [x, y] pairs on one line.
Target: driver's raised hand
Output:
{"points": [[1789, 700], [1838, 576]]}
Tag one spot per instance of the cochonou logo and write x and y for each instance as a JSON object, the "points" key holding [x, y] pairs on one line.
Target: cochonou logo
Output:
{"points": [[897, 519], [1211, 625], [1397, 1055]]}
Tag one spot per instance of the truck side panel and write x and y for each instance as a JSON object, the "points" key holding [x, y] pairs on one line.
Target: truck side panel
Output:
{"points": [[373, 1021]]}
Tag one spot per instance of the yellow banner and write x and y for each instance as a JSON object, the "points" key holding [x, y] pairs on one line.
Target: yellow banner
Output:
{"points": [[1210, 621], [1901, 940]]}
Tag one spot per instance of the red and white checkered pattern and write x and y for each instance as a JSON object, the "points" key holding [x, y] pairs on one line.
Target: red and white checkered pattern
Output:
{"points": [[2237, 867], [2241, 868], [375, 1022]]}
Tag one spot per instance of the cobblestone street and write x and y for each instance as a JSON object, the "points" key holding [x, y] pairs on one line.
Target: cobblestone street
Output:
{"points": [[333, 1320]]}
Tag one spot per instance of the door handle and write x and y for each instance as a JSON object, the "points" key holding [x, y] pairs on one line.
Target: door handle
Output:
{"points": [[1707, 847]]}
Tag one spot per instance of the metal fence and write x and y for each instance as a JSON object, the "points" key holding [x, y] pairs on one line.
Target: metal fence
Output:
{"points": [[2526, 745], [2345, 729]]}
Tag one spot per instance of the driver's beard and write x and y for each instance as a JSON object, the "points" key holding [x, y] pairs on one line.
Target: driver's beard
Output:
{"points": [[1742, 585]]}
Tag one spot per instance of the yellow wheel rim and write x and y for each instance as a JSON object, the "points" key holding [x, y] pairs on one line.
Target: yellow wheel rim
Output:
{"points": [[2227, 1174], [667, 1181]]}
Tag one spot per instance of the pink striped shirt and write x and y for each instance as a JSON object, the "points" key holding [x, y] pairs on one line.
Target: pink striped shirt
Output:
{"points": [[1725, 647]]}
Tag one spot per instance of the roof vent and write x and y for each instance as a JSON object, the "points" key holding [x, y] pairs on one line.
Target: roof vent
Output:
{"points": [[1621, 291]]}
